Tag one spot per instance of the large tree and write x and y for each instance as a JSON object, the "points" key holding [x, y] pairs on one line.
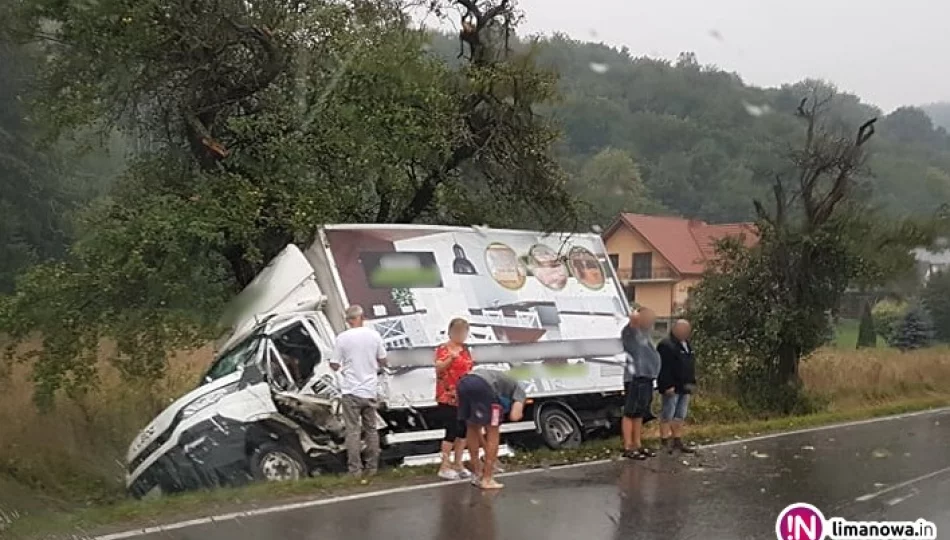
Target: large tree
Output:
{"points": [[262, 120], [769, 306]]}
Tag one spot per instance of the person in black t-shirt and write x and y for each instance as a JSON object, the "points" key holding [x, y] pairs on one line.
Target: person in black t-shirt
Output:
{"points": [[676, 383]]}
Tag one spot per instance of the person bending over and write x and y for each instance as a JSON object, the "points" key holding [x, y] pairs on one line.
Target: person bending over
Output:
{"points": [[484, 397]]}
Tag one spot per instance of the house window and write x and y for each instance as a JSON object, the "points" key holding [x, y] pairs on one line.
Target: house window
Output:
{"points": [[631, 292], [614, 260], [642, 265]]}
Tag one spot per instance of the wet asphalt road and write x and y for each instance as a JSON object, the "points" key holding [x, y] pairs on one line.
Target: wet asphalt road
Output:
{"points": [[894, 470]]}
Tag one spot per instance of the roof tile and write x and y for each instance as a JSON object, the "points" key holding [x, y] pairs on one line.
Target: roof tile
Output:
{"points": [[687, 244]]}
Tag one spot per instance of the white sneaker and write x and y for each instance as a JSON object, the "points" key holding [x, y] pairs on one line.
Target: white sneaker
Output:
{"points": [[448, 474], [463, 473]]}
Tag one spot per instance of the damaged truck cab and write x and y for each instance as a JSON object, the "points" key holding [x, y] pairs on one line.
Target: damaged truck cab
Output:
{"points": [[267, 409]]}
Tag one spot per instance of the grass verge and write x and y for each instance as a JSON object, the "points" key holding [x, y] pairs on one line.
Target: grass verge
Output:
{"points": [[128, 514]]}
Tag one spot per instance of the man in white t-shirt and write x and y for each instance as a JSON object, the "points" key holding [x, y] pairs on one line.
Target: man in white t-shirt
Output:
{"points": [[358, 356]]}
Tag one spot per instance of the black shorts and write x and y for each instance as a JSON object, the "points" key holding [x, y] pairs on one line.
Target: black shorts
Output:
{"points": [[638, 398], [447, 417], [478, 403]]}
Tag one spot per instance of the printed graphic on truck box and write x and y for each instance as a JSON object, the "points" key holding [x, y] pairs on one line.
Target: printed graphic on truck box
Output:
{"points": [[512, 286]]}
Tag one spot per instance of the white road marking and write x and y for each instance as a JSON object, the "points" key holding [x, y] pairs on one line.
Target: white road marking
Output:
{"points": [[407, 489], [912, 481], [897, 500]]}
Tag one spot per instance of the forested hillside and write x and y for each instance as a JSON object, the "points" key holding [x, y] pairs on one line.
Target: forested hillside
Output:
{"points": [[646, 134]]}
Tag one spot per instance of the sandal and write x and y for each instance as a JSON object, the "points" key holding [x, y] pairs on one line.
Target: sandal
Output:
{"points": [[647, 452], [634, 454]]}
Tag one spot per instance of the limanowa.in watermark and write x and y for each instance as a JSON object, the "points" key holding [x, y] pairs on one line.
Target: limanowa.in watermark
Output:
{"points": [[802, 521]]}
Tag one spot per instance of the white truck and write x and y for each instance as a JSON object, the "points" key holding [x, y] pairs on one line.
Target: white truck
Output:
{"points": [[546, 307]]}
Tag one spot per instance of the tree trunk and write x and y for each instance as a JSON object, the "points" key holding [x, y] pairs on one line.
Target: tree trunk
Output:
{"points": [[242, 270], [788, 359]]}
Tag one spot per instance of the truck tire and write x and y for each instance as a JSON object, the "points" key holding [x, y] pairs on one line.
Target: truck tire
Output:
{"points": [[559, 428], [276, 462]]}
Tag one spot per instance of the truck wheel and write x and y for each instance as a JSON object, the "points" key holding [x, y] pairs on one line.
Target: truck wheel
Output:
{"points": [[275, 462], [559, 429]]}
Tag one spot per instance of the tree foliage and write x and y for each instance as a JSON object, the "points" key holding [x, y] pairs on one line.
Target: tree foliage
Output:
{"points": [[887, 315], [769, 306], [34, 202], [610, 182], [915, 330], [262, 120]]}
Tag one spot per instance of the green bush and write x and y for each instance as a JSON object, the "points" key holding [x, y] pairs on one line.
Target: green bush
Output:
{"points": [[713, 408], [915, 331], [887, 315]]}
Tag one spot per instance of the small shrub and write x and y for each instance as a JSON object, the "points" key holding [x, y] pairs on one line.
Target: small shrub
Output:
{"points": [[714, 408], [887, 315], [915, 330]]}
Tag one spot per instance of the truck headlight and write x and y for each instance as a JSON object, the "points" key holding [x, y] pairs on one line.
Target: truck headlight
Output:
{"points": [[207, 400]]}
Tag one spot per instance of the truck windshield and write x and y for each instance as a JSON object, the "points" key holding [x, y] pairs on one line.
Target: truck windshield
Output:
{"points": [[232, 360]]}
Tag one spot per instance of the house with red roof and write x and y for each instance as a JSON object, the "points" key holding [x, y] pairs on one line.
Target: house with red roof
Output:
{"points": [[660, 258]]}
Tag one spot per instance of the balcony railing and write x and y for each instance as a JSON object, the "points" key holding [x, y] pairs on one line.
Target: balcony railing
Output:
{"points": [[646, 274]]}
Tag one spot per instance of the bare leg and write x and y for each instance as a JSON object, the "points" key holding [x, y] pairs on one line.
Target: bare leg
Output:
{"points": [[635, 438], [446, 452], [666, 429], [492, 439], [459, 454], [677, 429], [626, 426], [473, 436]]}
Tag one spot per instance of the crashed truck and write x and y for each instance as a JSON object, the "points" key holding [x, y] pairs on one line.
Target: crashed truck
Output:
{"points": [[547, 308]]}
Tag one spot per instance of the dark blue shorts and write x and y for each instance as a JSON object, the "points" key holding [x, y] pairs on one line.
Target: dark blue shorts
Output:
{"points": [[478, 403], [638, 398]]}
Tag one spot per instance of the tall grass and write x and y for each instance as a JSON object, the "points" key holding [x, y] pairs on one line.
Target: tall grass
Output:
{"points": [[849, 377], [74, 455]]}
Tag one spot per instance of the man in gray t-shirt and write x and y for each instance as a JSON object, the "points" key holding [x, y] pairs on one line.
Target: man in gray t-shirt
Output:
{"points": [[484, 397], [643, 366]]}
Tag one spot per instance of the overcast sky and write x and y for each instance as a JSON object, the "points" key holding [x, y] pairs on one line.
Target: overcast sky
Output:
{"points": [[890, 52]]}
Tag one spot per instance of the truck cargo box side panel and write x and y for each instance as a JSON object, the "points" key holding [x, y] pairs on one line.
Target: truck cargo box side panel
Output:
{"points": [[528, 296]]}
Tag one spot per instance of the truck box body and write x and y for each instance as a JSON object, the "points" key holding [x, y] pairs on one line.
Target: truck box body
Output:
{"points": [[548, 300]]}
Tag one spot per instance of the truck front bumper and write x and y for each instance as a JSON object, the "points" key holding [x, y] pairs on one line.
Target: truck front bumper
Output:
{"points": [[208, 454]]}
